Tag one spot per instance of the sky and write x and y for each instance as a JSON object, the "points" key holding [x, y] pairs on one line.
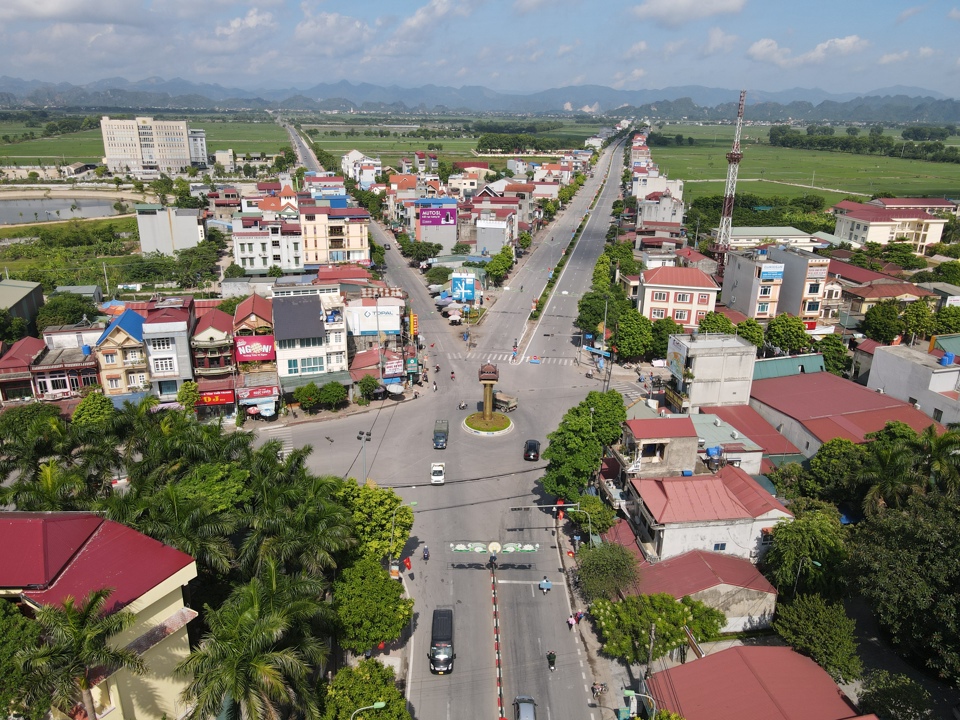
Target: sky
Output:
{"points": [[505, 45]]}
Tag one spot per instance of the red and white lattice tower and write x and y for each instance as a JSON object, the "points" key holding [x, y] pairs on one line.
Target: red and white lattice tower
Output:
{"points": [[729, 191]]}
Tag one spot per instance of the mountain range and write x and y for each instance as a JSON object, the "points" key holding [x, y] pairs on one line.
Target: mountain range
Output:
{"points": [[892, 104]]}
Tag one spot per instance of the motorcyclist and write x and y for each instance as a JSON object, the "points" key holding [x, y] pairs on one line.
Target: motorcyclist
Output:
{"points": [[426, 553], [552, 660], [452, 376], [434, 385]]}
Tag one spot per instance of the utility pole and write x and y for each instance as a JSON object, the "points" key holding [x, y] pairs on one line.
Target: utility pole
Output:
{"points": [[653, 634], [105, 281]]}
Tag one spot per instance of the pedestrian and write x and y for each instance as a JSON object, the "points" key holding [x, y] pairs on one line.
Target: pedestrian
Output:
{"points": [[571, 621], [579, 616]]}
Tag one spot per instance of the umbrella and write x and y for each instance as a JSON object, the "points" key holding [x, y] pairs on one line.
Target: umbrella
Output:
{"points": [[395, 389], [454, 316], [435, 288], [454, 306], [444, 302]]}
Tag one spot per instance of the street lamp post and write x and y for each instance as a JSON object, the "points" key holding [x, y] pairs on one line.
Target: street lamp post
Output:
{"points": [[631, 693], [364, 438], [380, 705], [799, 568], [393, 522]]}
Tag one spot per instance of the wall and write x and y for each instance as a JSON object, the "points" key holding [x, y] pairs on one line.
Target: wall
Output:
{"points": [[792, 430], [903, 379], [745, 609], [721, 379], [737, 534]]}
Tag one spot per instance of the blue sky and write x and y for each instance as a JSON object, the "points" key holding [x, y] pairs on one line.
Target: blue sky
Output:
{"points": [[506, 45]]}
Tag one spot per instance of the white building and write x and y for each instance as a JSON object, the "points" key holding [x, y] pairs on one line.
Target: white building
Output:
{"points": [[360, 168], [168, 229], [146, 147], [928, 382], [863, 223], [751, 284], [743, 238], [371, 318], [804, 285], [311, 338], [648, 179], [166, 336], [709, 370]]}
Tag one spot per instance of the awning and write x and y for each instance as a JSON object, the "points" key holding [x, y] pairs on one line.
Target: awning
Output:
{"points": [[455, 316], [454, 306], [443, 302], [395, 389], [392, 381]]}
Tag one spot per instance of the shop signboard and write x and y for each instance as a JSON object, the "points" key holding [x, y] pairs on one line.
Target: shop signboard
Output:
{"points": [[217, 397], [262, 392], [393, 367], [256, 347], [438, 216]]}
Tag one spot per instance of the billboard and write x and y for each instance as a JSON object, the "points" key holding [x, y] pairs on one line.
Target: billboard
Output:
{"points": [[216, 397], [261, 392], [676, 356], [816, 272], [374, 319], [392, 367], [256, 347], [771, 271], [461, 287], [438, 216]]}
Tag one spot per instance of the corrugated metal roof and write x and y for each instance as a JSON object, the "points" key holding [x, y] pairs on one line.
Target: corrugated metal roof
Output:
{"points": [[785, 366], [130, 321], [668, 427], [948, 343], [700, 570]]}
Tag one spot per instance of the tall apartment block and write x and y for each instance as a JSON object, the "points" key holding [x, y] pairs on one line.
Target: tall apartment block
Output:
{"points": [[144, 146]]}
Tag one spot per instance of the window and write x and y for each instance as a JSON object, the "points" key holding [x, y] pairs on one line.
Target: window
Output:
{"points": [[311, 365], [337, 338], [109, 358], [683, 297], [912, 401], [766, 291], [766, 538], [293, 367], [658, 313], [763, 308], [136, 380], [659, 296], [681, 315], [113, 383], [161, 344], [719, 547], [163, 365], [937, 414], [813, 306], [703, 298], [334, 358], [813, 289], [311, 342], [167, 387], [286, 344], [701, 314]]}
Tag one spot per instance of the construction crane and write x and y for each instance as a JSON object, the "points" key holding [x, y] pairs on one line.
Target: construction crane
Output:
{"points": [[734, 157]]}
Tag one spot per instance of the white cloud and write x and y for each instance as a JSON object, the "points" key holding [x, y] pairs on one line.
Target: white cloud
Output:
{"points": [[719, 42], [672, 48], [426, 20], [767, 50], [252, 20], [567, 49], [910, 12], [673, 13], [636, 50], [332, 34], [79, 11], [954, 14], [525, 7], [925, 52], [620, 79], [894, 57]]}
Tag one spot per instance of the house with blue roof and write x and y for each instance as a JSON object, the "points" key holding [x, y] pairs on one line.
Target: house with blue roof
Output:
{"points": [[122, 357]]}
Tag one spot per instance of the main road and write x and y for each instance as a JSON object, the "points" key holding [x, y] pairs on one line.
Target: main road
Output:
{"points": [[490, 493]]}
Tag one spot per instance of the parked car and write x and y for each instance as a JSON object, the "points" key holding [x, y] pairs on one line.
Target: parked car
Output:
{"points": [[531, 450]]}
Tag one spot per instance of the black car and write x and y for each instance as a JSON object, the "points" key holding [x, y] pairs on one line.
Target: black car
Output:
{"points": [[531, 450]]}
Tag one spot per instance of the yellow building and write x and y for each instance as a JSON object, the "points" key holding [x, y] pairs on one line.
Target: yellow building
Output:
{"points": [[122, 357], [62, 554]]}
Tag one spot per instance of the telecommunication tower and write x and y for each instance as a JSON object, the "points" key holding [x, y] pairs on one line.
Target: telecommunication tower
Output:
{"points": [[729, 192]]}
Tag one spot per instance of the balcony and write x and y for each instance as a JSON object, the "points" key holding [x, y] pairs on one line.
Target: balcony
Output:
{"points": [[337, 244]]}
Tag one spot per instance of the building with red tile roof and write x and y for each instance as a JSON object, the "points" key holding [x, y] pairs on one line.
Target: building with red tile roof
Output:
{"points": [[811, 408], [751, 683], [686, 294], [15, 376], [931, 205], [657, 446], [860, 223], [751, 424], [863, 297], [70, 554]]}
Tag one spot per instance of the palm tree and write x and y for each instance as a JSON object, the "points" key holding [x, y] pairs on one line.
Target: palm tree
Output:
{"points": [[939, 456], [244, 666], [75, 653], [891, 475], [53, 488]]}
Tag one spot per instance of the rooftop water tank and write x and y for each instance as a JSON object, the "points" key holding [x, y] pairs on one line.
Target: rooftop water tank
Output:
{"points": [[947, 359], [86, 350]]}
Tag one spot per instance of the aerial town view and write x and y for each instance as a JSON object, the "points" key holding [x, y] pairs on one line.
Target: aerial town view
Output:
{"points": [[501, 360]]}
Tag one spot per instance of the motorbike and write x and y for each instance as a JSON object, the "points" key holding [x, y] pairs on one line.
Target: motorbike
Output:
{"points": [[590, 374], [462, 406], [452, 376], [426, 554], [436, 368], [545, 585], [552, 660]]}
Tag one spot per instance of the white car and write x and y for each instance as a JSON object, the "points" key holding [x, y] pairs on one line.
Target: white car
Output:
{"points": [[616, 496], [436, 474]]}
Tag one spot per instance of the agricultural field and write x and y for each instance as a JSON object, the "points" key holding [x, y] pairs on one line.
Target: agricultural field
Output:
{"points": [[243, 137], [86, 146]]}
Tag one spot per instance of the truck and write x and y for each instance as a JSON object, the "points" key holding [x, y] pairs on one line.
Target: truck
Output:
{"points": [[437, 475], [504, 402], [441, 430]]}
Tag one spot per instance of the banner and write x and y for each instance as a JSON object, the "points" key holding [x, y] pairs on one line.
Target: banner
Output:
{"points": [[438, 216], [219, 397], [256, 347], [254, 393], [393, 367], [414, 325]]}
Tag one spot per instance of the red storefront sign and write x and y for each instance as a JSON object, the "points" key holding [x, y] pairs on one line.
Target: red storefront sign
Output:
{"points": [[256, 347], [265, 391], [219, 397]]}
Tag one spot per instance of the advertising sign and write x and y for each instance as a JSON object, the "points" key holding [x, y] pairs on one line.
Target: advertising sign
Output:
{"points": [[374, 319], [462, 286], [952, 301], [257, 393], [414, 324], [676, 356], [219, 397], [256, 347], [393, 367], [771, 271], [816, 272], [438, 216]]}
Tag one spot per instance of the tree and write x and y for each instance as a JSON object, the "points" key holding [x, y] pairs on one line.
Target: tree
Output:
{"points": [[905, 565], [601, 274], [882, 322], [17, 632], [815, 537], [946, 321], [381, 521], [229, 305], [11, 328], [597, 516], [891, 476], [834, 351], [368, 385], [370, 606], [714, 322], [605, 570], [274, 271], [362, 686], [633, 335], [917, 320], [308, 396], [332, 394], [823, 632], [234, 271], [574, 454], [65, 309], [75, 650], [625, 625], [96, 410], [751, 331], [834, 472], [662, 330], [460, 248], [189, 395], [938, 458], [894, 697], [787, 333], [524, 239]]}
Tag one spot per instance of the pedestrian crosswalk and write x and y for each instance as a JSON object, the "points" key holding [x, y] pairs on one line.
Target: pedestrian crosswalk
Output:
{"points": [[631, 391], [284, 435], [508, 357]]}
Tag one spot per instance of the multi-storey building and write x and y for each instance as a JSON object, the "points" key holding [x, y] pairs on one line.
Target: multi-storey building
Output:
{"points": [[168, 229], [122, 357], [751, 284], [859, 223], [311, 337], [166, 337], [259, 245], [144, 146], [360, 168], [804, 286], [334, 235], [684, 294]]}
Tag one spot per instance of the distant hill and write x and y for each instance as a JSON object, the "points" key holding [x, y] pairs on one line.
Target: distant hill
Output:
{"points": [[692, 102]]}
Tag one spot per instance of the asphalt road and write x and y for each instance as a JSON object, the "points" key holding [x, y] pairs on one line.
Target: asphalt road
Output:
{"points": [[491, 492]]}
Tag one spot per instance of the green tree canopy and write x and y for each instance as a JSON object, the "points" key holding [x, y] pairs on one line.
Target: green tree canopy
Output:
{"points": [[11, 328], [608, 416], [916, 320], [376, 512], [633, 336], [189, 395], [368, 385], [96, 410], [836, 358], [787, 333], [362, 686], [597, 516], [834, 472], [946, 321], [574, 454], [65, 309], [370, 606], [308, 396], [882, 322], [905, 564], [751, 331], [18, 633], [823, 632], [894, 697], [605, 570], [714, 322], [332, 394], [661, 331], [229, 305], [808, 553]]}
